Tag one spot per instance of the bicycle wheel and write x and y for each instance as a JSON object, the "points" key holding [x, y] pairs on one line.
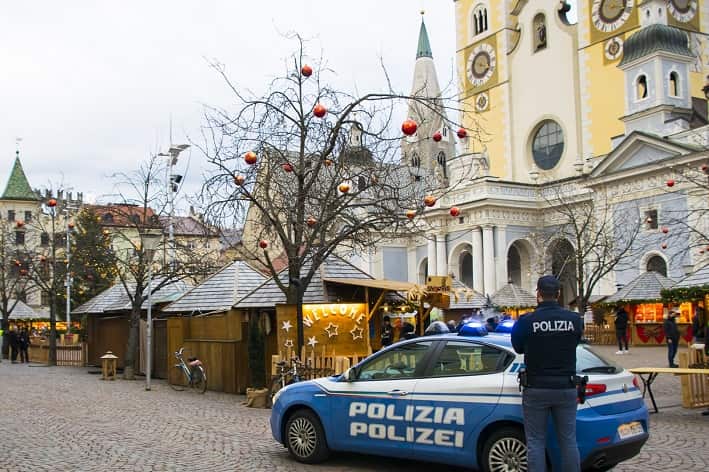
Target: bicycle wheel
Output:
{"points": [[199, 379], [176, 378]]}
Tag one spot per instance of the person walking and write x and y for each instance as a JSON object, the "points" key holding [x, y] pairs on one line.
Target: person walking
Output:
{"points": [[621, 330], [548, 338], [24, 345], [672, 336], [14, 344]]}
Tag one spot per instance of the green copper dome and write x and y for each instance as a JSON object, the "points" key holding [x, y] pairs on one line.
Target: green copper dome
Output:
{"points": [[655, 38]]}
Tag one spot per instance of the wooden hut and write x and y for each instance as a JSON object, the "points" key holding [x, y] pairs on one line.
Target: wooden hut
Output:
{"points": [[514, 300], [643, 301], [203, 321]]}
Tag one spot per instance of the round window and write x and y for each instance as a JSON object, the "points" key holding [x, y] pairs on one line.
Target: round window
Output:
{"points": [[548, 145]]}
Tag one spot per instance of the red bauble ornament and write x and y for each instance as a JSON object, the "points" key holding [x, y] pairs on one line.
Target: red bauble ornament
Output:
{"points": [[409, 127], [319, 110], [250, 158], [665, 229], [51, 203], [429, 200], [20, 224], [18, 263], [411, 214], [23, 271], [287, 167], [664, 246], [42, 259], [671, 183], [705, 168], [455, 211], [239, 180], [306, 70], [311, 221], [71, 225], [263, 244], [344, 187], [437, 136], [462, 133], [328, 162]]}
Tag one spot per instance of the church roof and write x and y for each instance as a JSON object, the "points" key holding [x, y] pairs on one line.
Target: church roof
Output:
{"points": [[424, 46], [18, 188], [655, 38]]}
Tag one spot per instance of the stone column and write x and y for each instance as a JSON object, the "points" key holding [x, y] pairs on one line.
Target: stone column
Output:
{"points": [[489, 268], [441, 256], [501, 240], [478, 260], [412, 264], [432, 266]]}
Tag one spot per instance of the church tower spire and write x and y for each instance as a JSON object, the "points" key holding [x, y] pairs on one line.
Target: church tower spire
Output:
{"points": [[422, 151], [18, 187]]}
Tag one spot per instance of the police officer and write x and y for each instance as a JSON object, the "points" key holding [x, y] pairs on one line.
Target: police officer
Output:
{"points": [[548, 338]]}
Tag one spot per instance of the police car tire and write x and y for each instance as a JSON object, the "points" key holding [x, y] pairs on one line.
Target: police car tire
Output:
{"points": [[309, 425], [505, 433]]}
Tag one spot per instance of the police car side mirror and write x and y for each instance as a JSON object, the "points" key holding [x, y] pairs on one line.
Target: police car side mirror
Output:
{"points": [[349, 375]]}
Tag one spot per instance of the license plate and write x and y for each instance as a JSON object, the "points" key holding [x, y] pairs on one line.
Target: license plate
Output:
{"points": [[628, 430]]}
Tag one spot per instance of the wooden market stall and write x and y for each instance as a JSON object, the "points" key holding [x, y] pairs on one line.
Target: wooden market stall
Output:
{"points": [[647, 310], [514, 300]]}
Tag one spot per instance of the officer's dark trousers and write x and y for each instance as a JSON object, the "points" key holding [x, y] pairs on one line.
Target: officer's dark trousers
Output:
{"points": [[537, 405]]}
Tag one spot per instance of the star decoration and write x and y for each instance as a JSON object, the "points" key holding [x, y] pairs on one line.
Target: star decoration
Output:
{"points": [[356, 333], [331, 330], [286, 326], [312, 341], [288, 343]]}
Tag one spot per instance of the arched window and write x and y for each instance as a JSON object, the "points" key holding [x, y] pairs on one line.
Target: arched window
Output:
{"points": [[441, 158], [674, 84], [514, 266], [479, 19], [657, 264], [466, 269], [641, 88], [416, 161], [539, 29]]}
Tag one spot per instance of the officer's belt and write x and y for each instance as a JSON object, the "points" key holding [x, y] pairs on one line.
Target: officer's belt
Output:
{"points": [[550, 381]]}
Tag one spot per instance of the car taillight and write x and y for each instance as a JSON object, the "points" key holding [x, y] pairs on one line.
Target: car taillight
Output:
{"points": [[595, 389], [635, 382]]}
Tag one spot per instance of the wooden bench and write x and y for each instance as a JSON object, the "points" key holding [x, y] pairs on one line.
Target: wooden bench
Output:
{"points": [[653, 372]]}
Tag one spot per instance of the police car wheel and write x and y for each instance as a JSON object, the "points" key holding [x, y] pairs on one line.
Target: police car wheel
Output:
{"points": [[505, 451], [305, 438]]}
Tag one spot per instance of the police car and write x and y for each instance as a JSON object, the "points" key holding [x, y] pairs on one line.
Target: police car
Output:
{"points": [[453, 399]]}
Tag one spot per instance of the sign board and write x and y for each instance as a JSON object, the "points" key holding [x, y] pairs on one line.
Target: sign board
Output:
{"points": [[438, 288]]}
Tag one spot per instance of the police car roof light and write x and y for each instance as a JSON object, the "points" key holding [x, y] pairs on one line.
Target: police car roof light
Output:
{"points": [[473, 328], [505, 327]]}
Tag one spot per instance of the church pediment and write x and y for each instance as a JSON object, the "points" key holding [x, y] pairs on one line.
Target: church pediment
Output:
{"points": [[637, 151]]}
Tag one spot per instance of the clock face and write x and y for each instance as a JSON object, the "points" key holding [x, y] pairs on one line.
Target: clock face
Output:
{"points": [[682, 10], [609, 15], [481, 64], [613, 48]]}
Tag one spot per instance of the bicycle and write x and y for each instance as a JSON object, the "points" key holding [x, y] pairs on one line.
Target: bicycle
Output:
{"points": [[192, 372], [286, 375]]}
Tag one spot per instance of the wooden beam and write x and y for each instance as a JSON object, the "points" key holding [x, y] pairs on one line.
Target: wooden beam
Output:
{"points": [[377, 304]]}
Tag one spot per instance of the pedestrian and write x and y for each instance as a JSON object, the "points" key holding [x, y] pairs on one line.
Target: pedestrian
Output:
{"points": [[387, 332], [24, 345], [548, 338], [407, 331], [621, 330], [452, 326], [14, 344], [671, 336], [698, 326]]}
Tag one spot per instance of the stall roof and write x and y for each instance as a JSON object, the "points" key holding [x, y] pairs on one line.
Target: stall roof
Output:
{"points": [[167, 293], [645, 287], [116, 298], [513, 296], [467, 298], [393, 285], [698, 278], [23, 312], [220, 291], [268, 295]]}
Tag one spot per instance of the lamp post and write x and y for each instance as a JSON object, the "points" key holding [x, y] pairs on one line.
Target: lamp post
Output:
{"points": [[149, 241], [172, 181], [69, 279]]}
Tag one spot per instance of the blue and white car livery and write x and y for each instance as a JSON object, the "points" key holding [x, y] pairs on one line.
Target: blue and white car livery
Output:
{"points": [[455, 400]]}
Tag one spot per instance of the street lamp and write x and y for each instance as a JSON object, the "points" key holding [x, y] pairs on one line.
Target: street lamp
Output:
{"points": [[67, 209], [172, 181], [149, 241]]}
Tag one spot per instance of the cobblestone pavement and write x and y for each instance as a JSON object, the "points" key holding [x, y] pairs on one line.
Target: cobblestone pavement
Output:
{"points": [[62, 419]]}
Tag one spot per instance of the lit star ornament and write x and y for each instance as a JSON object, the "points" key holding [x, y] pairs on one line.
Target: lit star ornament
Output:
{"points": [[288, 343], [331, 330], [356, 333], [312, 341], [286, 326]]}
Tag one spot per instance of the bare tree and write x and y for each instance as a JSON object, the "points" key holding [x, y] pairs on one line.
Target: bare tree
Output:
{"points": [[602, 237], [309, 170], [13, 281]]}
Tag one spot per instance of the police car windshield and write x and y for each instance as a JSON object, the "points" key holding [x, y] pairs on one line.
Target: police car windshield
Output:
{"points": [[589, 362]]}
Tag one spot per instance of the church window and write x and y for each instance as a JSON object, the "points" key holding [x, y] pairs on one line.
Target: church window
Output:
{"points": [[10, 215], [19, 238], [548, 144], [674, 84], [44, 239], [480, 19], [539, 29], [416, 160], [641, 88], [445, 131], [441, 158], [657, 264]]}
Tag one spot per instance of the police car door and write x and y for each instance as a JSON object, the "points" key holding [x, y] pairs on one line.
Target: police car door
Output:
{"points": [[460, 389], [372, 412]]}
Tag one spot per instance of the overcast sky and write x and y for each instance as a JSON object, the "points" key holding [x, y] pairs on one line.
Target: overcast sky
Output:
{"points": [[90, 86]]}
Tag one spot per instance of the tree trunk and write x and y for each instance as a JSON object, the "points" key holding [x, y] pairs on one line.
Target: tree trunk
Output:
{"points": [[132, 347]]}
